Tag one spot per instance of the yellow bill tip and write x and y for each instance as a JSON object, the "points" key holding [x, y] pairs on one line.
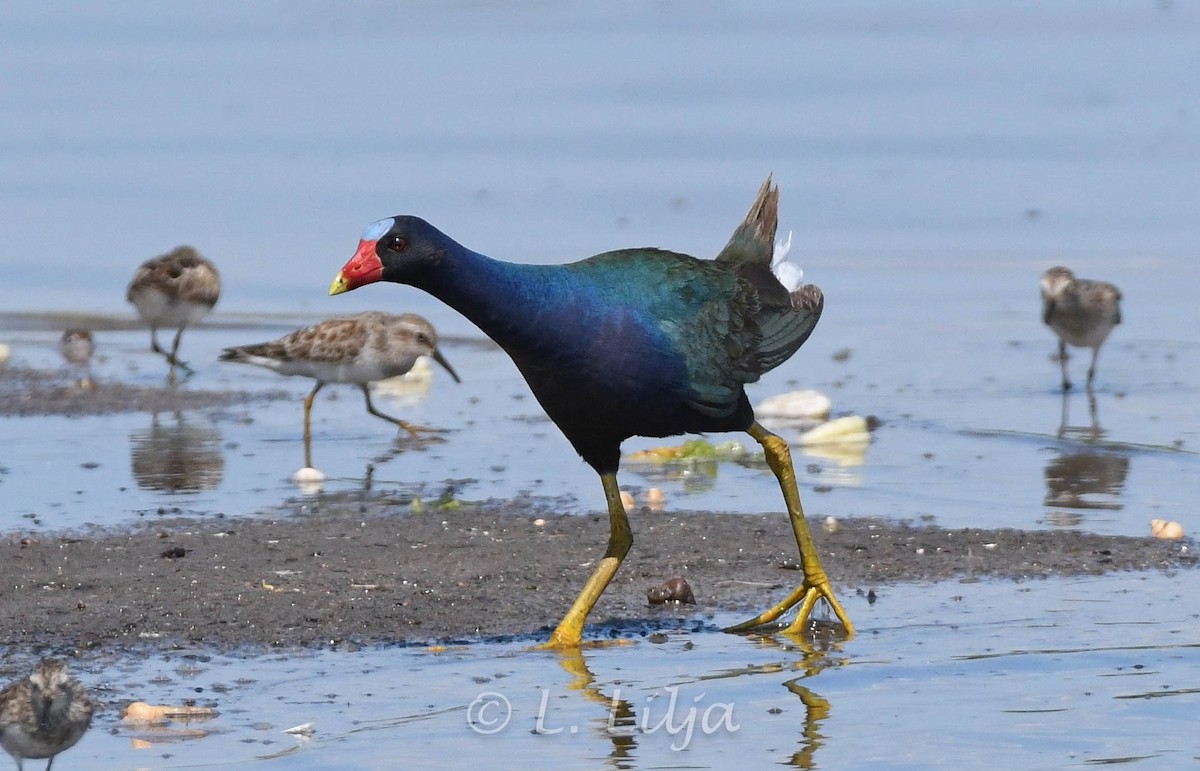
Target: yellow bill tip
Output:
{"points": [[339, 285]]}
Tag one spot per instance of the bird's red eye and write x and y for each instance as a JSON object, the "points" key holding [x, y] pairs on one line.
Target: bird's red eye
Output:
{"points": [[396, 244]]}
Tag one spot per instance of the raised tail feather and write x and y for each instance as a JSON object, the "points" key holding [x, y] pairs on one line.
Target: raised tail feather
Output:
{"points": [[754, 240]]}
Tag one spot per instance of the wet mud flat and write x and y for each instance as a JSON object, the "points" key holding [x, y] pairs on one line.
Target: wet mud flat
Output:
{"points": [[27, 392], [368, 569]]}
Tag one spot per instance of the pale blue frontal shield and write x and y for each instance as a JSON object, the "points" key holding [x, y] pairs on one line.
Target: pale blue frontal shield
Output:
{"points": [[376, 230]]}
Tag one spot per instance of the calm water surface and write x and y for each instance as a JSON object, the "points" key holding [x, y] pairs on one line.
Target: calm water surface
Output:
{"points": [[1050, 674], [933, 160]]}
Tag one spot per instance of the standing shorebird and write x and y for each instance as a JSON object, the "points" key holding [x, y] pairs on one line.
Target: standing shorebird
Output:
{"points": [[357, 349], [1081, 312], [636, 342], [174, 290], [44, 714], [76, 347]]}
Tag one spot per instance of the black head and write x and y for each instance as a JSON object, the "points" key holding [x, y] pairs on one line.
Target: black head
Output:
{"points": [[397, 249]]}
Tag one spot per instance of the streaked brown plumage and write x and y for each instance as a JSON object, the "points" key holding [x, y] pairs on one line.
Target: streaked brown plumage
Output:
{"points": [[174, 290], [1082, 312], [43, 714], [358, 349]]}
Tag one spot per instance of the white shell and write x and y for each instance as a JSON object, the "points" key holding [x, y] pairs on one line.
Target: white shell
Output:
{"points": [[309, 480], [308, 474], [795, 404], [1161, 528], [850, 429]]}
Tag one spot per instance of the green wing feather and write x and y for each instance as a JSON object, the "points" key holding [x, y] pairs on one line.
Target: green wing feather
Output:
{"points": [[729, 318]]}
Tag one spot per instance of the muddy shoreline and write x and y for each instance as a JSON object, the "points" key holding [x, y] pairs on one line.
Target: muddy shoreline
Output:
{"points": [[364, 568], [349, 570]]}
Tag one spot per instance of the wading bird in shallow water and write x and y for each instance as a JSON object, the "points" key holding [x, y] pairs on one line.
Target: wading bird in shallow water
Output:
{"points": [[174, 290], [76, 347], [636, 342], [1081, 312], [358, 349], [43, 714]]}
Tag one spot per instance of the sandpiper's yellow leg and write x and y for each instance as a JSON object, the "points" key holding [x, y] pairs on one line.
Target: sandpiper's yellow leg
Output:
{"points": [[308, 404], [404, 424], [816, 583], [620, 538]]}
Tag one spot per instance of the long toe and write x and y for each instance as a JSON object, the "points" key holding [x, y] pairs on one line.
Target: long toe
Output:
{"points": [[415, 430], [804, 598], [804, 614], [175, 362], [772, 614]]}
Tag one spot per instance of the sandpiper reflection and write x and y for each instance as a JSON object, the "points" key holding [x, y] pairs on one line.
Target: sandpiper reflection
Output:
{"points": [[177, 455], [1086, 473]]}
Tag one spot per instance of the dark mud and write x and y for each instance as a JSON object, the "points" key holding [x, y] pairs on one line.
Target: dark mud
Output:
{"points": [[26, 392], [364, 568], [361, 571]]}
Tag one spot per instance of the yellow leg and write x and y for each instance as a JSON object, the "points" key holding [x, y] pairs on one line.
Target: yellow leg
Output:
{"points": [[308, 404], [570, 630], [409, 427], [816, 583]]}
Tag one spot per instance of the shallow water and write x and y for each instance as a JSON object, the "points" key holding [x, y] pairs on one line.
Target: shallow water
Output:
{"points": [[974, 431], [1046, 674], [933, 161]]}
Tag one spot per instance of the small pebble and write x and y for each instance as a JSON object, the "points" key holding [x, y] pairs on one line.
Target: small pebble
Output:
{"points": [[627, 501], [539, 522], [831, 525], [655, 499], [674, 590]]}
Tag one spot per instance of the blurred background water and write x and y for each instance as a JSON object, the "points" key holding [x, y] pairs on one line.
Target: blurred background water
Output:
{"points": [[933, 160], [270, 134]]}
